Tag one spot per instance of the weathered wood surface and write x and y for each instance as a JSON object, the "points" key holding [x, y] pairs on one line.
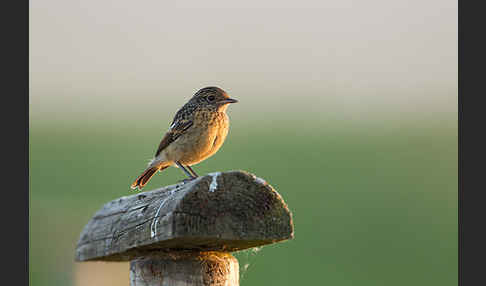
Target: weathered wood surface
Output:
{"points": [[215, 269], [218, 212]]}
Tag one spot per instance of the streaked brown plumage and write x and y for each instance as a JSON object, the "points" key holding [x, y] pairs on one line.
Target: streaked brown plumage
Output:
{"points": [[197, 132]]}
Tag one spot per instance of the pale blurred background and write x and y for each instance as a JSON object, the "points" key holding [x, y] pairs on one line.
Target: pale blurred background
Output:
{"points": [[348, 108]]}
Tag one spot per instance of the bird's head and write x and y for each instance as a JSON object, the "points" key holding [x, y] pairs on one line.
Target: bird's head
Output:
{"points": [[213, 98]]}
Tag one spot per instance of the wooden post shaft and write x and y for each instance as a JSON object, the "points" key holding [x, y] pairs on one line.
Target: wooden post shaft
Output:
{"points": [[188, 269]]}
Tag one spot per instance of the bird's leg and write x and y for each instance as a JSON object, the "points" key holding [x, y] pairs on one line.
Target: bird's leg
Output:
{"points": [[184, 170], [192, 171]]}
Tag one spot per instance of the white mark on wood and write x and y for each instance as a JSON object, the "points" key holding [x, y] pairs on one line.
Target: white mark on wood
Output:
{"points": [[153, 226], [214, 182], [260, 181]]}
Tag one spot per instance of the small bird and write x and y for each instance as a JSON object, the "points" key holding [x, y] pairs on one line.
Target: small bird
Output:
{"points": [[197, 132]]}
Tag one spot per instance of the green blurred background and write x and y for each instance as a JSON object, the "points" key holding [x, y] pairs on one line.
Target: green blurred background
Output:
{"points": [[348, 109]]}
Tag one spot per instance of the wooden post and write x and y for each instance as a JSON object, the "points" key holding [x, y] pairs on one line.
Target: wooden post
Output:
{"points": [[183, 234]]}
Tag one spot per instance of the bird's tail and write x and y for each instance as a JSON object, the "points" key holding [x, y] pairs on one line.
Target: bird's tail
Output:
{"points": [[143, 179]]}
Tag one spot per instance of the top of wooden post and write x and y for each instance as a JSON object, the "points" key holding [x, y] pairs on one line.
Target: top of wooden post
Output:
{"points": [[226, 211]]}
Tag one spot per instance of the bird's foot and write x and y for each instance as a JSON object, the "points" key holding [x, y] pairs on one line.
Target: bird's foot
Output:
{"points": [[187, 180]]}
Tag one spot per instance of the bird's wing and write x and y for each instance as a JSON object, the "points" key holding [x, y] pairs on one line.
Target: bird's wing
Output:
{"points": [[177, 129], [183, 120]]}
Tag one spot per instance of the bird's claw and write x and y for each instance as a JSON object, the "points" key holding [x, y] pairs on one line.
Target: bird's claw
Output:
{"points": [[186, 180]]}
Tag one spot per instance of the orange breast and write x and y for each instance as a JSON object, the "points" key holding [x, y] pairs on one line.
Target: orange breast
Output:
{"points": [[200, 141]]}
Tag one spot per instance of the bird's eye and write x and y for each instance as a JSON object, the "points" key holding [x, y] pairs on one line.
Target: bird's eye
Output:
{"points": [[211, 97]]}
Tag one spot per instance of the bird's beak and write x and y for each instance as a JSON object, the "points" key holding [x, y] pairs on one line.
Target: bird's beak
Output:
{"points": [[228, 100]]}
